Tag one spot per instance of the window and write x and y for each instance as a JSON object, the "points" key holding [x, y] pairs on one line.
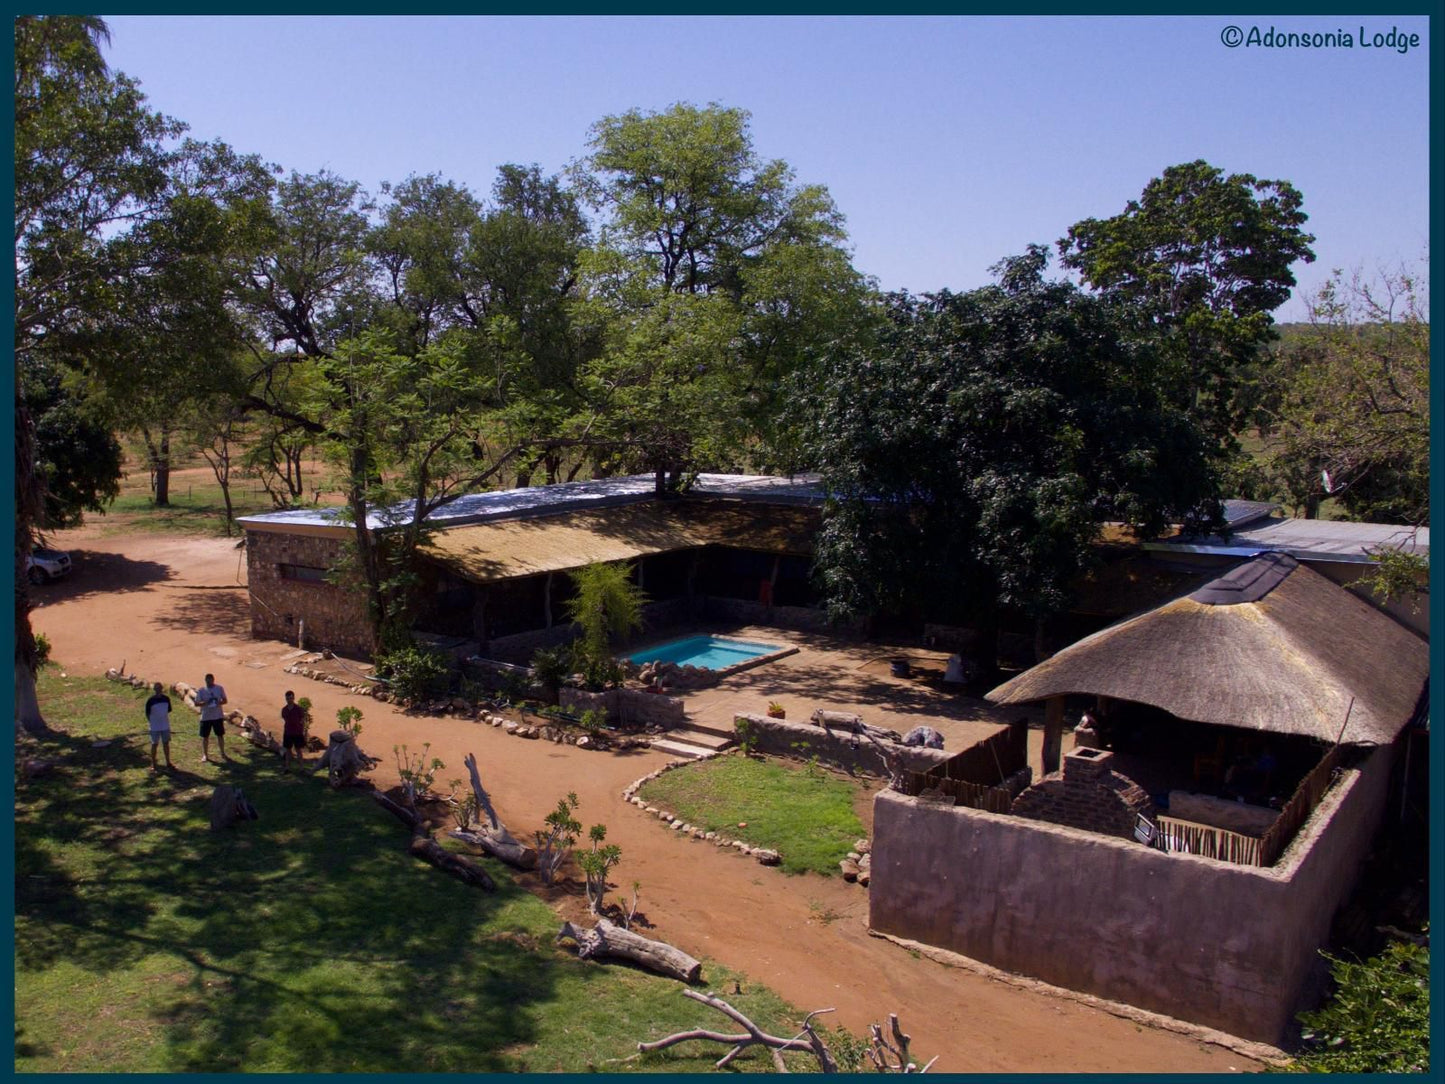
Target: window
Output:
{"points": [[302, 573]]}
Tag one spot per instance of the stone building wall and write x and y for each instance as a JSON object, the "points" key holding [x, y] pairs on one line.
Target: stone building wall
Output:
{"points": [[1086, 794], [334, 617]]}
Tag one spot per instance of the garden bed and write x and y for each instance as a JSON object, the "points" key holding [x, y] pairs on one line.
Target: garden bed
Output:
{"points": [[803, 811]]}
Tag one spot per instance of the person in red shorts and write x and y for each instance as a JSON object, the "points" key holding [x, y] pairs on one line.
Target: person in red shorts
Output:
{"points": [[293, 730]]}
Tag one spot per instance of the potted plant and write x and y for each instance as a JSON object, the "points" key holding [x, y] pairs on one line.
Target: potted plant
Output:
{"points": [[776, 710]]}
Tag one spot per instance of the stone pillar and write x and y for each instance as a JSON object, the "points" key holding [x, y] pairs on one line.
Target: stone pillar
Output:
{"points": [[1053, 733]]}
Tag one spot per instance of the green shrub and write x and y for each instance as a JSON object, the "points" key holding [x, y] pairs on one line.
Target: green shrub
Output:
{"points": [[550, 667], [348, 719], [42, 649], [1378, 1020], [415, 673]]}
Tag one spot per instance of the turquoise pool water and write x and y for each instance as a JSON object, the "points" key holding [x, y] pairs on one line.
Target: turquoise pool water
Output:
{"points": [[710, 651]]}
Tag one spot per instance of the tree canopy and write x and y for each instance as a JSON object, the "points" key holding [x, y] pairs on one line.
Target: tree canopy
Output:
{"points": [[1347, 400], [1210, 257], [973, 453]]}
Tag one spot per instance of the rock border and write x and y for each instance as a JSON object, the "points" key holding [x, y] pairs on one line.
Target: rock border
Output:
{"points": [[765, 856]]}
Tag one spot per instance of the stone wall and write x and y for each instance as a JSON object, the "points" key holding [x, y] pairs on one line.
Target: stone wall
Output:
{"points": [[630, 707], [335, 617], [1231, 947], [850, 752], [1087, 794], [803, 618]]}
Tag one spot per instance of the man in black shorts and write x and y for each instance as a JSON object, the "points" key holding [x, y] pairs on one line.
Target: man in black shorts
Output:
{"points": [[293, 730], [212, 699]]}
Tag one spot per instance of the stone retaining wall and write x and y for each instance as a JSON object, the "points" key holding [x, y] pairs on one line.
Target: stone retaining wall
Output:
{"points": [[626, 706], [850, 752]]}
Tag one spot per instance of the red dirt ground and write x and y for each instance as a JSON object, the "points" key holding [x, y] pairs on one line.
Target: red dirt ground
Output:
{"points": [[175, 608]]}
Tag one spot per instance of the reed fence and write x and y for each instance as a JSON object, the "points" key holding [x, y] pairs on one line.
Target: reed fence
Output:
{"points": [[1186, 837]]}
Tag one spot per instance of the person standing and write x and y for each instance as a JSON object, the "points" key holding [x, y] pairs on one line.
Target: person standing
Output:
{"points": [[212, 698], [158, 715], [293, 730]]}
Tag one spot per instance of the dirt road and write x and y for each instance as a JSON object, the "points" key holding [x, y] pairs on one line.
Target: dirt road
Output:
{"points": [[175, 608]]}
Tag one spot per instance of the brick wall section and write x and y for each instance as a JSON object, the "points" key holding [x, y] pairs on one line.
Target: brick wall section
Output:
{"points": [[851, 752], [335, 617], [1087, 794]]}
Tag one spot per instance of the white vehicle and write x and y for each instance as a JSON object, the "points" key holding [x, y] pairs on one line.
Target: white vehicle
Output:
{"points": [[44, 565]]}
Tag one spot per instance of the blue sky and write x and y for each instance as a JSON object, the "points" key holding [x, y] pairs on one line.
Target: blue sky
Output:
{"points": [[947, 142]]}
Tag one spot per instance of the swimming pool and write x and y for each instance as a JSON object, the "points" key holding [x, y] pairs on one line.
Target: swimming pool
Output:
{"points": [[713, 652]]}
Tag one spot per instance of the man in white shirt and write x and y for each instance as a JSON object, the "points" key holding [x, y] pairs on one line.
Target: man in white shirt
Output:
{"points": [[212, 698]]}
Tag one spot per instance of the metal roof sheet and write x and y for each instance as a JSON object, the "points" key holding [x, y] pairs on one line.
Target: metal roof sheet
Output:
{"points": [[548, 500], [1306, 539]]}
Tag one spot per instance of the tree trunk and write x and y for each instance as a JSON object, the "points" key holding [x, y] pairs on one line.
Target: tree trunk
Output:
{"points": [[607, 939], [29, 498], [27, 704], [460, 867], [160, 464]]}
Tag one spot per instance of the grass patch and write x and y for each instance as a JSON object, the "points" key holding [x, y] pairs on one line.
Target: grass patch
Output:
{"points": [[305, 941], [804, 812]]}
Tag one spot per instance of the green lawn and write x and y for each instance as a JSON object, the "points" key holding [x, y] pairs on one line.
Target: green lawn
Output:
{"points": [[305, 941], [802, 811]]}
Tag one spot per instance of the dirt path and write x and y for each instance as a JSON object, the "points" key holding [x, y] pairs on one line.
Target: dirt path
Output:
{"points": [[174, 609]]}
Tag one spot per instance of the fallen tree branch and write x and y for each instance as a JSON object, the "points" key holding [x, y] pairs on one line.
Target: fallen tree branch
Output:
{"points": [[754, 1036], [806, 1041], [460, 867], [493, 837], [609, 939]]}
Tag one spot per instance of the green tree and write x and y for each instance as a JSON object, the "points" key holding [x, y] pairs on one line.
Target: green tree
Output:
{"points": [[606, 604], [76, 454], [974, 450], [1210, 257], [1348, 401], [715, 276], [89, 159]]}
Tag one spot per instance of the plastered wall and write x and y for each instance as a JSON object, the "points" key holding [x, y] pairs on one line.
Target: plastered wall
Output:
{"points": [[1231, 947]]}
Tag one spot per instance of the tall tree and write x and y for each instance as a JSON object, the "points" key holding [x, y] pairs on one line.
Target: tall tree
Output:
{"points": [[1348, 400], [716, 275], [973, 452], [88, 159], [1210, 256]]}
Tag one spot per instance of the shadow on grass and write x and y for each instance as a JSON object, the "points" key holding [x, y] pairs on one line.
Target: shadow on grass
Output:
{"points": [[305, 940]]}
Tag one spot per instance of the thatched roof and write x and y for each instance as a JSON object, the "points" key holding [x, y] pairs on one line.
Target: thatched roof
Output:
{"points": [[1271, 646], [490, 552]]}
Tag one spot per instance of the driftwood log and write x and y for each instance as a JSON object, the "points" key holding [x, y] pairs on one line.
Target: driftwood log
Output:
{"points": [[887, 1057], [609, 939], [852, 724], [429, 850], [492, 835], [343, 759], [806, 1041], [459, 866]]}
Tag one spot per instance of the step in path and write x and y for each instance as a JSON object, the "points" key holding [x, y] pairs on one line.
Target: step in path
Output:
{"points": [[694, 741]]}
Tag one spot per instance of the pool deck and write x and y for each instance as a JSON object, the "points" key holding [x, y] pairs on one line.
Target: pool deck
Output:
{"points": [[847, 675]]}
